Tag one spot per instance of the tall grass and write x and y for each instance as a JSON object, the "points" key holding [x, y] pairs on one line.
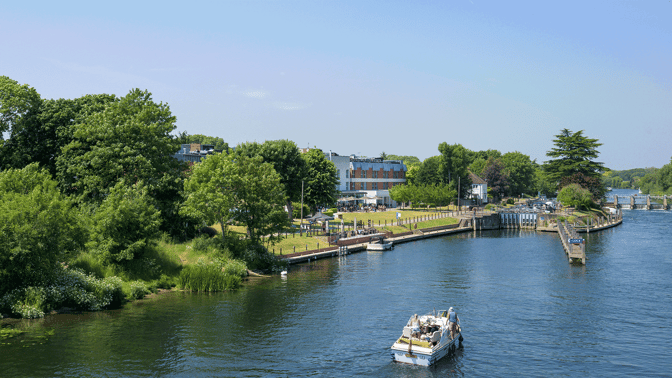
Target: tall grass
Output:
{"points": [[214, 276]]}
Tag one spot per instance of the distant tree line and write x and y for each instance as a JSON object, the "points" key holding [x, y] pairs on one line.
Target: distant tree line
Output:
{"points": [[657, 181], [512, 174]]}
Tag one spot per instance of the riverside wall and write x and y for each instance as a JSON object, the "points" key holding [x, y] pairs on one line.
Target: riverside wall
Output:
{"points": [[468, 223]]}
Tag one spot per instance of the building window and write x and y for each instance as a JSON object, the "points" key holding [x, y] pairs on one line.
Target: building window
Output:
{"points": [[338, 173], [352, 186], [396, 174], [375, 174], [374, 186], [347, 173], [363, 174], [385, 174]]}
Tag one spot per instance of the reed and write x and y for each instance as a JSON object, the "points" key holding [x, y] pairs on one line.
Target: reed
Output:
{"points": [[208, 277]]}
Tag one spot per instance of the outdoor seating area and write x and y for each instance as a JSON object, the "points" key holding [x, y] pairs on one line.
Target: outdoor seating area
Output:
{"points": [[368, 208]]}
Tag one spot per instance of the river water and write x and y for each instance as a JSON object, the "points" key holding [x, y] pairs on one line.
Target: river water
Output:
{"points": [[525, 312]]}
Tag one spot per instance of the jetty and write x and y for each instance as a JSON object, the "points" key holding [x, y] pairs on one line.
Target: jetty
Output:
{"points": [[575, 246]]}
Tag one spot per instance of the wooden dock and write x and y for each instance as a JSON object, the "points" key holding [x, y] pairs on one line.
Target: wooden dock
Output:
{"points": [[575, 246]]}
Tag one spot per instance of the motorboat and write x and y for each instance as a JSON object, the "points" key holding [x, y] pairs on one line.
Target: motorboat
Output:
{"points": [[430, 342], [379, 244]]}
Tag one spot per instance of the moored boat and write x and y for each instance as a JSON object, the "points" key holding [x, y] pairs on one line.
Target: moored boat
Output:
{"points": [[379, 244], [427, 339]]}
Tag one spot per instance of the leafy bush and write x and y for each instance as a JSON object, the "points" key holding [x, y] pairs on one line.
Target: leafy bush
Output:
{"points": [[70, 288], [296, 210], [137, 290], [510, 201], [575, 195], [38, 227], [205, 244], [235, 268], [164, 282], [90, 264]]}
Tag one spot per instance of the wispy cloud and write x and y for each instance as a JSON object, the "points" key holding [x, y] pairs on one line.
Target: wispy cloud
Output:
{"points": [[282, 105], [256, 93]]}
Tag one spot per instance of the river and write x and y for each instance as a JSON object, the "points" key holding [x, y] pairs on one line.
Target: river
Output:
{"points": [[525, 312]]}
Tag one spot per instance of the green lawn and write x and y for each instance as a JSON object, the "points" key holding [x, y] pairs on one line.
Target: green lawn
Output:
{"points": [[379, 218], [395, 229], [300, 242], [437, 222]]}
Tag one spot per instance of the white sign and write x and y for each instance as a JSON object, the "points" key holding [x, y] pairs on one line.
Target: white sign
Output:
{"points": [[398, 215]]}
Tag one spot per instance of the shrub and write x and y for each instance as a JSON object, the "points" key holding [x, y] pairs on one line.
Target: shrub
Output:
{"points": [[38, 227], [235, 268], [575, 195], [138, 290], [164, 282], [90, 264], [205, 243], [296, 210], [510, 201], [70, 288]]}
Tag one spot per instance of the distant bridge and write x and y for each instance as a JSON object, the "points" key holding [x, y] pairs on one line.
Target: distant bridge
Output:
{"points": [[638, 202]]}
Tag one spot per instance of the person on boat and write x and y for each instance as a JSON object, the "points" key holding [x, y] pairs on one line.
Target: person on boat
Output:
{"points": [[453, 321], [415, 325]]}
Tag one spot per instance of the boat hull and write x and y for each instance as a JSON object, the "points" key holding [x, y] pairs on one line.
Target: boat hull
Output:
{"points": [[425, 356], [379, 247]]}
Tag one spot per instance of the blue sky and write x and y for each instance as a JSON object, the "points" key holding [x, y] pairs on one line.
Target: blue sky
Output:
{"points": [[364, 77]]}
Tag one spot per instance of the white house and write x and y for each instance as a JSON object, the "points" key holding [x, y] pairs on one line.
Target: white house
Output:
{"points": [[479, 189]]}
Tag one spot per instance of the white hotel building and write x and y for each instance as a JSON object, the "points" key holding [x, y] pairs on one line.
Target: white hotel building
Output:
{"points": [[368, 177]]}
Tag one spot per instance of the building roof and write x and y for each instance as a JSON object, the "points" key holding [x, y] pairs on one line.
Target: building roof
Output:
{"points": [[385, 166], [476, 180]]}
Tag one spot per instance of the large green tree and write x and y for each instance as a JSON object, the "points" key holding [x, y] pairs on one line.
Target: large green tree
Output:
{"points": [[455, 160], [237, 189], [321, 182], [38, 227], [209, 196], [129, 141], [40, 137], [402, 193], [125, 225], [18, 103], [429, 173], [286, 159], [520, 172], [409, 161], [542, 184], [219, 143], [497, 178], [573, 153]]}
